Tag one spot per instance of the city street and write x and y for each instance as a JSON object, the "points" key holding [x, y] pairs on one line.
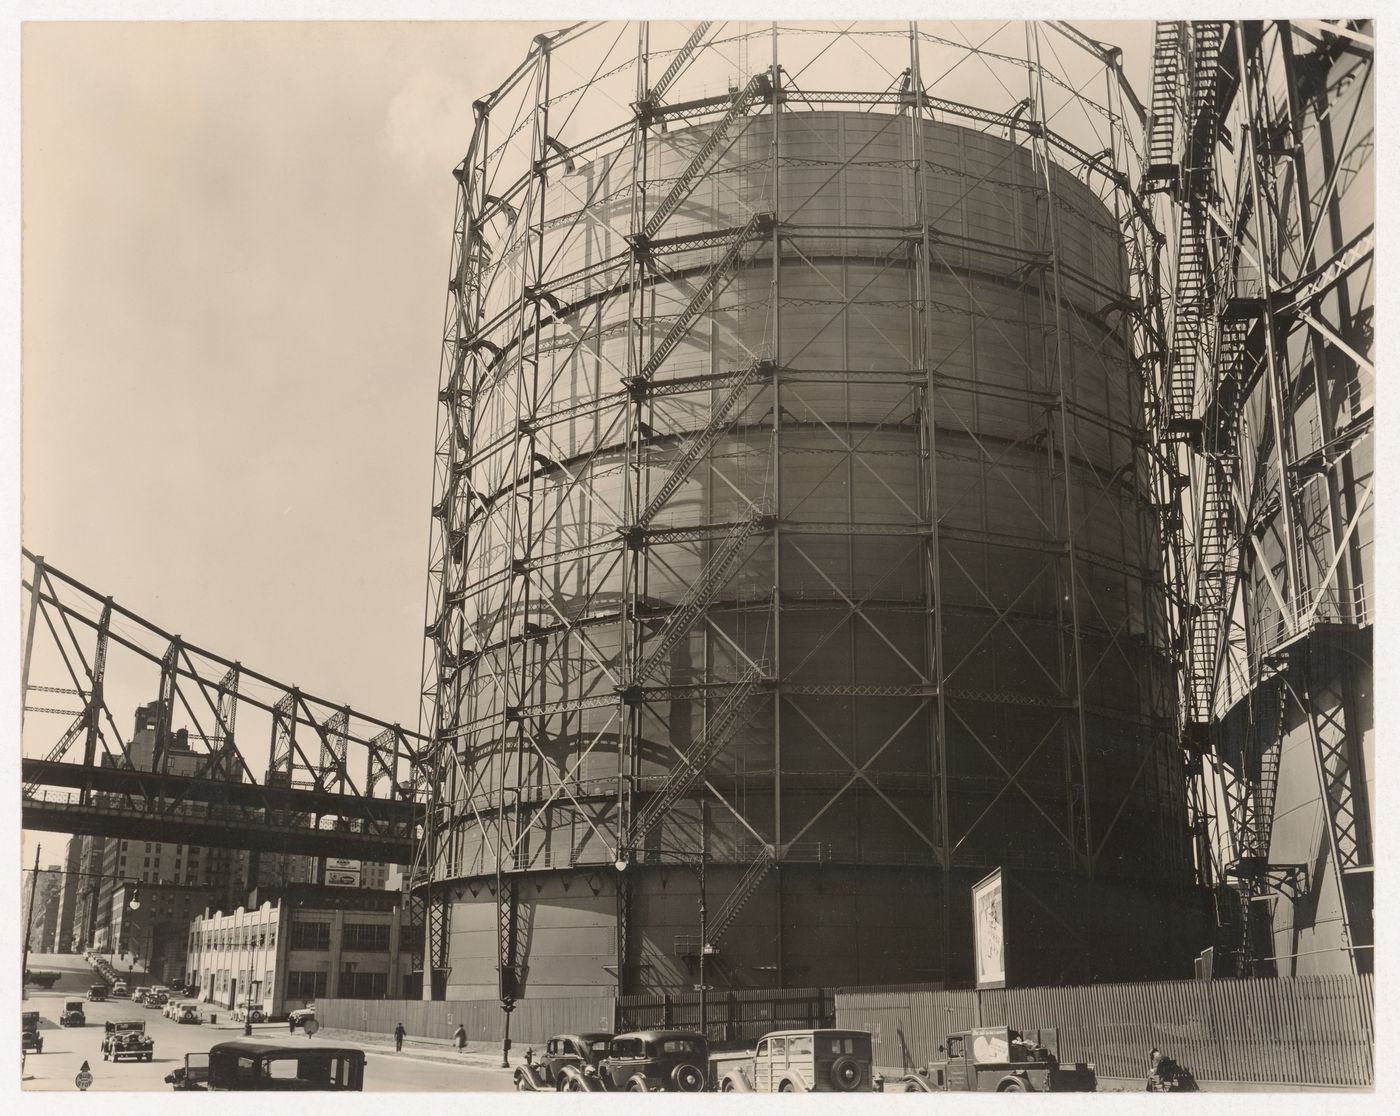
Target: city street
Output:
{"points": [[65, 1048]]}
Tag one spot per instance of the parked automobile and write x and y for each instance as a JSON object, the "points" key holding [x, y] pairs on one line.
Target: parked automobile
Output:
{"points": [[29, 1028], [241, 1066], [97, 993], [249, 1013], [138, 994], [1001, 1060], [119, 990], [154, 1000], [299, 1017], [72, 1014], [650, 1061], [804, 1061], [543, 1073], [189, 1013], [126, 1038]]}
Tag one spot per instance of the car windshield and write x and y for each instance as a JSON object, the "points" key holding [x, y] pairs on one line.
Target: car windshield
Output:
{"points": [[679, 1046]]}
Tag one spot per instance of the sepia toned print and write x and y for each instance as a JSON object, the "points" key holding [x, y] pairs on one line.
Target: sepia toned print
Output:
{"points": [[897, 614]]}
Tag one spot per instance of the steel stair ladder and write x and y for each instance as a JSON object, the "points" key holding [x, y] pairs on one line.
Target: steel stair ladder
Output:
{"points": [[712, 578], [719, 729], [742, 893], [1161, 139], [721, 419], [758, 225], [672, 72], [754, 92]]}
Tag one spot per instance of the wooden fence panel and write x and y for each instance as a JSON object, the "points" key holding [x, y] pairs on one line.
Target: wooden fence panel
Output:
{"points": [[1304, 1030]]}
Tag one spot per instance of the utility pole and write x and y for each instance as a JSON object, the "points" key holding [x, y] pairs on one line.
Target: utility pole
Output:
{"points": [[29, 919], [704, 942]]}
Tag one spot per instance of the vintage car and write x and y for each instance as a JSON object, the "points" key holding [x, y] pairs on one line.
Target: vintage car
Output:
{"points": [[138, 994], [119, 990], [155, 999], [643, 1062], [29, 1028], [806, 1061], [72, 1014], [249, 1013], [999, 1060], [543, 1072], [242, 1066], [188, 1012], [41, 978], [299, 1017], [126, 1038], [97, 993]]}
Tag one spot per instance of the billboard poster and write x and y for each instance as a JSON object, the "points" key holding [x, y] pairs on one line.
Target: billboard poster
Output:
{"points": [[989, 931], [340, 872]]}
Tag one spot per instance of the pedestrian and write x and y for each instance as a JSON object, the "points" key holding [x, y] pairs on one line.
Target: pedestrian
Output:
{"points": [[459, 1036], [398, 1037]]}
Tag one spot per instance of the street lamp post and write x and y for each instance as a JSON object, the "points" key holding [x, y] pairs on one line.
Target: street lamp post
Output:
{"points": [[704, 941]]}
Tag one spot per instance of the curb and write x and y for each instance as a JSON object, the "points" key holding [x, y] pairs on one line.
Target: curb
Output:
{"points": [[419, 1050]]}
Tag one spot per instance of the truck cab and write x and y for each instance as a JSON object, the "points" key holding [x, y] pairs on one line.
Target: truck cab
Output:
{"points": [[1001, 1060]]}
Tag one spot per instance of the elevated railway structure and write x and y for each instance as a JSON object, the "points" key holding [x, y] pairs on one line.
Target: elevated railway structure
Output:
{"points": [[331, 781]]}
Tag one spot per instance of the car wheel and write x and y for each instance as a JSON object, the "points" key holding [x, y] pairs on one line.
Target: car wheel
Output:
{"points": [[786, 1087], [635, 1086], [846, 1074], [1012, 1085], [727, 1086]]}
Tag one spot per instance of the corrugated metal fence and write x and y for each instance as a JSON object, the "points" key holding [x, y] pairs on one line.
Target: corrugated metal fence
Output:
{"points": [[533, 1021], [1302, 1031]]}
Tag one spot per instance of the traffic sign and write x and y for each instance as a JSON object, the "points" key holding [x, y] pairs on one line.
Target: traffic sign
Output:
{"points": [[84, 1078], [311, 1026]]}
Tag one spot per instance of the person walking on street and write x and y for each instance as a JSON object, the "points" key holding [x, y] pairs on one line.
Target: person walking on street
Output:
{"points": [[398, 1037], [459, 1036]]}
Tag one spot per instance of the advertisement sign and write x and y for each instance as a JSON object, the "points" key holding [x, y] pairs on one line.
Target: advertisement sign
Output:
{"points": [[340, 872], [989, 932]]}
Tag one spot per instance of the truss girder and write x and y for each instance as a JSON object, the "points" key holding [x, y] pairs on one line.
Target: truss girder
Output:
{"points": [[197, 695]]}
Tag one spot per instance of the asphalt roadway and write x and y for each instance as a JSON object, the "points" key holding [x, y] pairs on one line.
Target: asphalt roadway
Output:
{"points": [[66, 1048]]}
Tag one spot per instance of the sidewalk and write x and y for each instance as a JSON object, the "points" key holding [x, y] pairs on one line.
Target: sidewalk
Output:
{"points": [[420, 1049]]}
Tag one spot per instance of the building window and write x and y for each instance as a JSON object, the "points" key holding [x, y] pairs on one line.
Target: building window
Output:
{"points": [[305, 986], [364, 986], [366, 936], [311, 935]]}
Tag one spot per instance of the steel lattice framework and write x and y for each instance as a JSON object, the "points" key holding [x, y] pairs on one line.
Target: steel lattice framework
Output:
{"points": [[1262, 142], [506, 469], [333, 782]]}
